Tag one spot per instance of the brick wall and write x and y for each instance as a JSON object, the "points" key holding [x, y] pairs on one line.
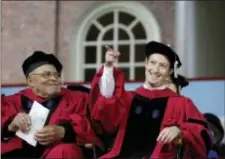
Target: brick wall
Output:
{"points": [[26, 26], [30, 25]]}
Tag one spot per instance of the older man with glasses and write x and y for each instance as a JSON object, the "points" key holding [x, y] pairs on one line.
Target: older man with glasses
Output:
{"points": [[66, 127]]}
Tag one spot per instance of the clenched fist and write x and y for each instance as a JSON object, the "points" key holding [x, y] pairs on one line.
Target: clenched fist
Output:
{"points": [[111, 56]]}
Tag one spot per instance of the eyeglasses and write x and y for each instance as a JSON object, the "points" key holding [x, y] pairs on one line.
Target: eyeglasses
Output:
{"points": [[48, 74]]}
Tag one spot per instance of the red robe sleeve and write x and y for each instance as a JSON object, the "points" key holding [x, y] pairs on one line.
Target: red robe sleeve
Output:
{"points": [[195, 131], [79, 121], [107, 112], [183, 113], [8, 110]]}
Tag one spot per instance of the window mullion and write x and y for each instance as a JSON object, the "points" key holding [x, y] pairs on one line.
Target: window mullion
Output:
{"points": [[115, 29], [132, 60], [98, 54], [133, 24], [98, 25]]}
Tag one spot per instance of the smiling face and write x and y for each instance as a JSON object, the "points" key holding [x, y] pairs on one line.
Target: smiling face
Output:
{"points": [[45, 81], [157, 70]]}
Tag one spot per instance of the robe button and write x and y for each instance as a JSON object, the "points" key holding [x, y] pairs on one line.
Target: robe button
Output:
{"points": [[155, 114], [138, 110]]}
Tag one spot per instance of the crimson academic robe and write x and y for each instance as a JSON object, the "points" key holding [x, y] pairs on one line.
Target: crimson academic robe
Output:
{"points": [[112, 114], [69, 110]]}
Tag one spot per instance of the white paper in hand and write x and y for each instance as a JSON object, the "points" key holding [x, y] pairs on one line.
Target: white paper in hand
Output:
{"points": [[38, 115]]}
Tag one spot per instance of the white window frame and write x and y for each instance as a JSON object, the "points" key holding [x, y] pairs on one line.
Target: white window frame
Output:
{"points": [[150, 25]]}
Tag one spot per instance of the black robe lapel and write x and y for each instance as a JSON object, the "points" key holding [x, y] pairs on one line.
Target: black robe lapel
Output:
{"points": [[26, 103], [145, 118], [50, 104]]}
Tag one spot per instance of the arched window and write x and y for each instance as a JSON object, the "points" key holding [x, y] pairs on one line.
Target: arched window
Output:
{"points": [[125, 26]]}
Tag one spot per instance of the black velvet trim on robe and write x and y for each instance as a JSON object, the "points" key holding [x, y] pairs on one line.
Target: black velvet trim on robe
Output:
{"points": [[200, 122], [70, 135], [7, 135], [145, 118]]}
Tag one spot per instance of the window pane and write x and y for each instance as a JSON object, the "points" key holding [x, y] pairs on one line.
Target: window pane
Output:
{"points": [[123, 35], [126, 73], [90, 54], [140, 73], [106, 19], [92, 33], [89, 74], [125, 18], [139, 31], [124, 53], [140, 53], [108, 35]]}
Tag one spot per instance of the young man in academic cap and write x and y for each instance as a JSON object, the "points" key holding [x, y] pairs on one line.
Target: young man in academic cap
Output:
{"points": [[66, 127], [153, 119]]}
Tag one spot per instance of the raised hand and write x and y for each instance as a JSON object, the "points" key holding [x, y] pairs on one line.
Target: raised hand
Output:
{"points": [[111, 56]]}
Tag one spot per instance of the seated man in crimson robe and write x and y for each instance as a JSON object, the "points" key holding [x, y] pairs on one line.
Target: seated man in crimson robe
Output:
{"points": [[66, 127], [152, 120]]}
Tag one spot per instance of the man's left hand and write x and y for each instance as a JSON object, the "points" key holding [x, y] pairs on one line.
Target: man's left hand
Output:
{"points": [[50, 134], [169, 134]]}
